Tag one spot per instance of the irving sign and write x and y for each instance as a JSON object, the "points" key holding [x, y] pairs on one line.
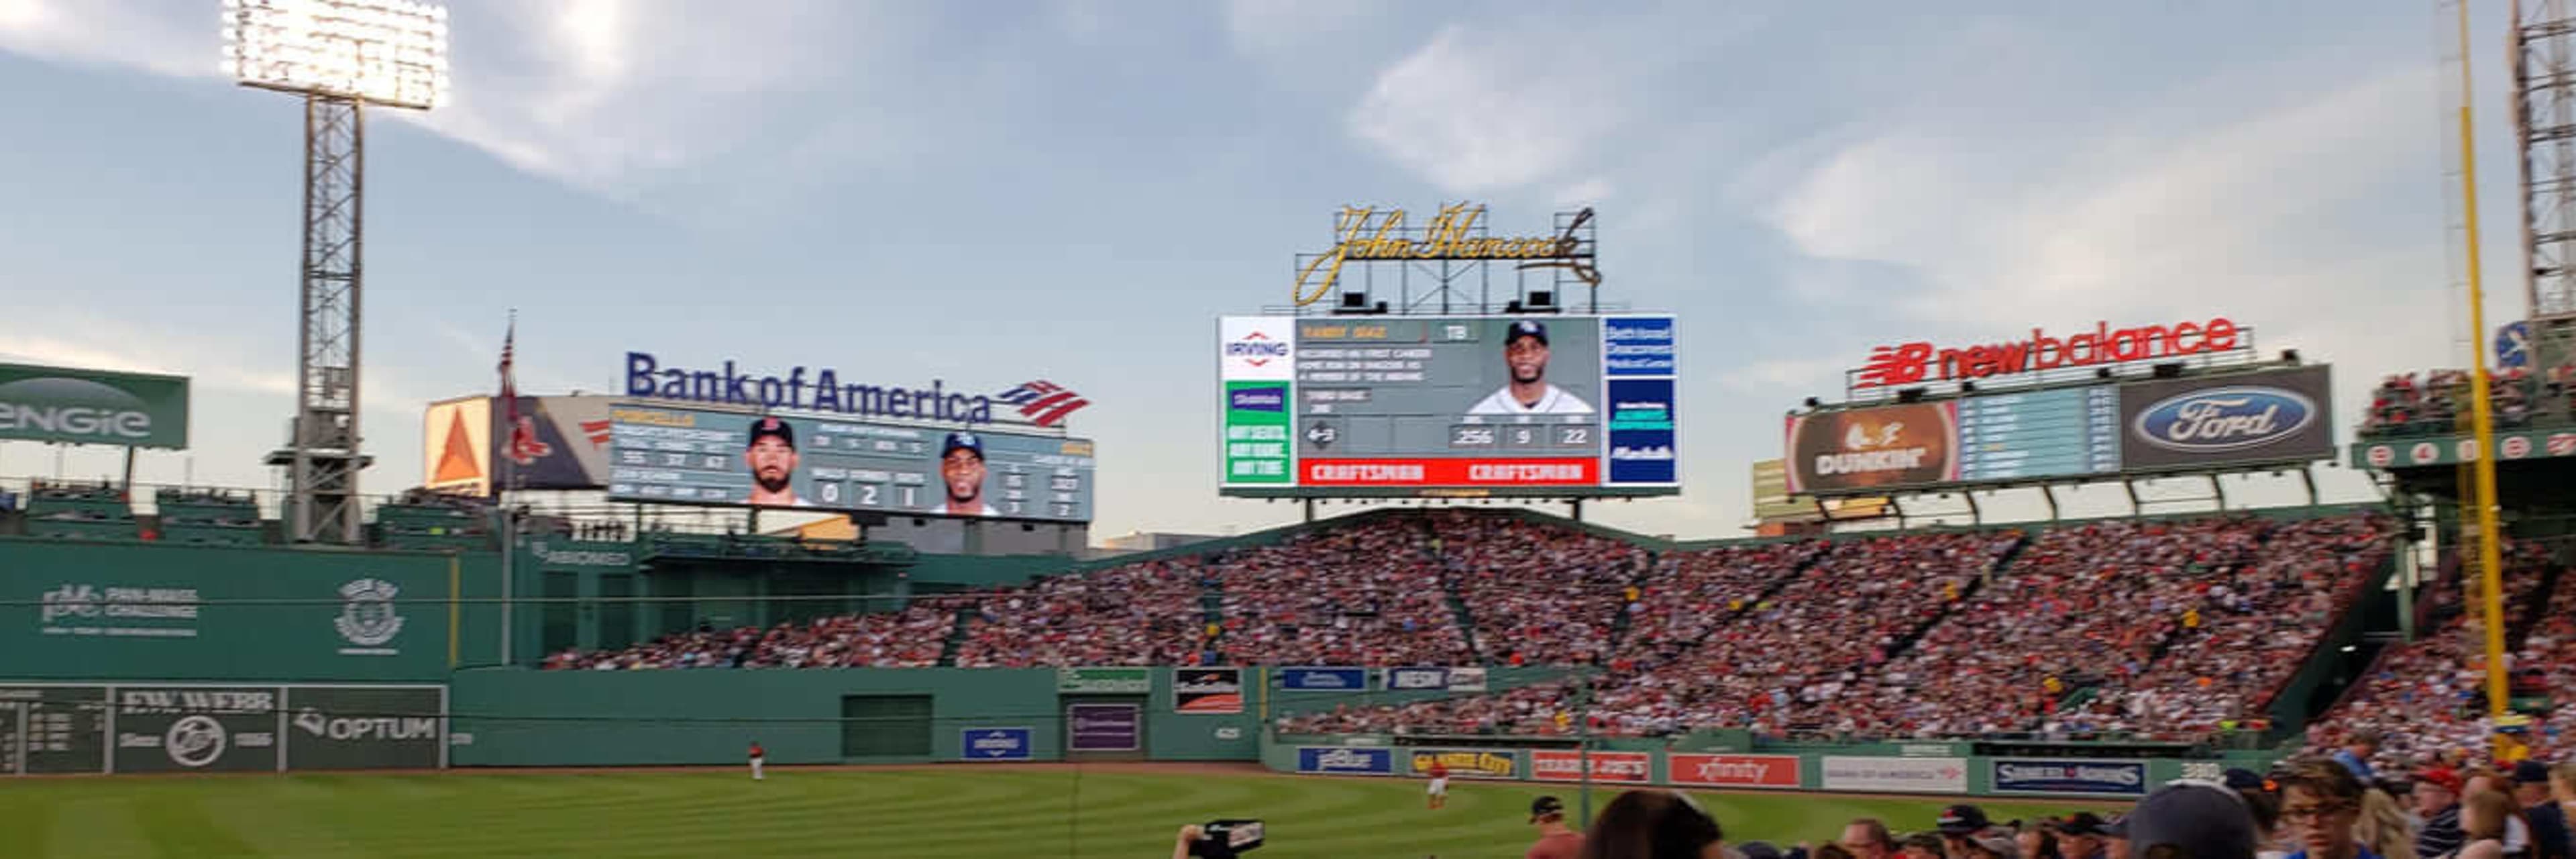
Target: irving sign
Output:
{"points": [[1366, 234]]}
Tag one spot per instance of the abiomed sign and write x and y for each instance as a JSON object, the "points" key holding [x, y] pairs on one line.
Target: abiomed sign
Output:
{"points": [[58, 404], [1369, 234]]}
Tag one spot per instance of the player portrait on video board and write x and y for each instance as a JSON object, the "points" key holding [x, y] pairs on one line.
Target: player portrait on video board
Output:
{"points": [[771, 456], [961, 470], [1528, 391]]}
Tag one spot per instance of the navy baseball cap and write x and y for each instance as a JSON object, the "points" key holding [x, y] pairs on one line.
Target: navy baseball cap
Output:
{"points": [[2531, 772], [2204, 820], [962, 440], [1526, 328], [771, 428], [1962, 820], [1544, 806]]}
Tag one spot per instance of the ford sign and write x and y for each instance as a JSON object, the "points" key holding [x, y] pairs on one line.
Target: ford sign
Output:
{"points": [[2215, 420]]}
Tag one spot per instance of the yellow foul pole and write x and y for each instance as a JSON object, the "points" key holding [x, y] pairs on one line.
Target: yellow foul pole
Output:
{"points": [[2481, 409]]}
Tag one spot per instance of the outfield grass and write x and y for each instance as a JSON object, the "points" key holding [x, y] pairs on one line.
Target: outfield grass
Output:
{"points": [[901, 814]]}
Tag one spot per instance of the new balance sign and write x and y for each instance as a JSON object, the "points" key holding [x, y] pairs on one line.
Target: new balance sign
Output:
{"points": [[2093, 778], [1896, 775]]}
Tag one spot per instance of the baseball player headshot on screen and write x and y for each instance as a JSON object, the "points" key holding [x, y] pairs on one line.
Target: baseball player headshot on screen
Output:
{"points": [[1528, 393], [961, 466], [771, 455]]}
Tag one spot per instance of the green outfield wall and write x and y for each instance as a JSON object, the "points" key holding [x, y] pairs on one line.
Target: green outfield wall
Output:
{"points": [[86, 611]]}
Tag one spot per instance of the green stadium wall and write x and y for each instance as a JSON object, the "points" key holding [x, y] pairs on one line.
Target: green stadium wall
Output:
{"points": [[145, 611]]}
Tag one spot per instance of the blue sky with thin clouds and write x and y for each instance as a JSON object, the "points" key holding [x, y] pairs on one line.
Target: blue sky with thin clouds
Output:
{"points": [[988, 193]]}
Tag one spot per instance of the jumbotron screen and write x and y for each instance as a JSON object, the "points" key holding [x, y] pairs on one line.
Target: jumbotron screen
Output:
{"points": [[696, 456], [1407, 405]]}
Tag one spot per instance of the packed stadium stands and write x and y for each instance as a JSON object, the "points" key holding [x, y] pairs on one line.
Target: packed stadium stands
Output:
{"points": [[2151, 628], [2435, 402], [2427, 697]]}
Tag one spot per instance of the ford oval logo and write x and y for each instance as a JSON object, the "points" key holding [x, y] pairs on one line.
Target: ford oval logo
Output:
{"points": [[2211, 420]]}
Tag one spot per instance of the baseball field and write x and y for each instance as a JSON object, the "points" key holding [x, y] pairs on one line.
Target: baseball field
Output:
{"points": [[919, 813]]}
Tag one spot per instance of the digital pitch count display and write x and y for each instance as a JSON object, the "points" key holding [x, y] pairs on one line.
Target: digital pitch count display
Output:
{"points": [[692, 456]]}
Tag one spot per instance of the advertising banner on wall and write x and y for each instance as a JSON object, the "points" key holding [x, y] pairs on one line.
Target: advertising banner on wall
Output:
{"points": [[456, 446], [1879, 446], [993, 744], [1442, 679], [1336, 760], [1207, 690], [69, 406], [1766, 771], [1104, 727], [365, 727], [1104, 681], [2069, 777], [1563, 765], [1896, 775], [1323, 679], [566, 443], [1466, 763], [2228, 419], [195, 729]]}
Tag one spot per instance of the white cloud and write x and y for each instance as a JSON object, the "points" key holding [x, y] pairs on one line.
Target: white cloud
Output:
{"points": [[178, 39], [1460, 112]]}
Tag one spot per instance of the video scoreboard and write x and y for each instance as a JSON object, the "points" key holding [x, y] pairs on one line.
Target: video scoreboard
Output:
{"points": [[1495, 405], [2060, 432], [694, 456], [2191, 423]]}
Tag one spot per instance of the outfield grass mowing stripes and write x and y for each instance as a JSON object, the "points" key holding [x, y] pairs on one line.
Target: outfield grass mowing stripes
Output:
{"points": [[939, 813]]}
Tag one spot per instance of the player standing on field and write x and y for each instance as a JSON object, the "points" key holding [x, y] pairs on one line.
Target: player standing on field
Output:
{"points": [[758, 757], [1439, 773]]}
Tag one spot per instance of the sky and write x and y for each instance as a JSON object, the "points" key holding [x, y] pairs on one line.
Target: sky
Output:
{"points": [[988, 193]]}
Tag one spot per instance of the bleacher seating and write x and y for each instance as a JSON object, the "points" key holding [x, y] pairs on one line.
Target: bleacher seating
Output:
{"points": [[213, 517], [91, 511], [435, 522]]}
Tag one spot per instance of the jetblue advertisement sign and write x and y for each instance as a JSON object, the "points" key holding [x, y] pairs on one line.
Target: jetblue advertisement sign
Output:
{"points": [[825, 391], [2227, 419], [2089, 778], [1335, 760], [1325, 679], [993, 744]]}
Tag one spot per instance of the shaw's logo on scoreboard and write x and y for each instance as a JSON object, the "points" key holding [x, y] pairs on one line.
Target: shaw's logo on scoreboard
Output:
{"points": [[2222, 419], [645, 377]]}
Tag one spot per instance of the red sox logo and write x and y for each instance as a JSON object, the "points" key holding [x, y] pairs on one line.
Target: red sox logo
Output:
{"points": [[2516, 447], [2423, 452], [2382, 456]]}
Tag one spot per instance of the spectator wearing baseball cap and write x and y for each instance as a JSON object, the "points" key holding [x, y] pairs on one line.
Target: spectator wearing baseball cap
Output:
{"points": [[1959, 825], [2192, 820], [1555, 839], [2081, 836], [2437, 803], [2550, 837]]}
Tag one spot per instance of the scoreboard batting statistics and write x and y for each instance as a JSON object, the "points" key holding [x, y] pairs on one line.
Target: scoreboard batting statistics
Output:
{"points": [[693, 456], [1501, 405]]}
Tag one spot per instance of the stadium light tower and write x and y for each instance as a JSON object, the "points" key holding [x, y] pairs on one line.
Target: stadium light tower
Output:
{"points": [[340, 55]]}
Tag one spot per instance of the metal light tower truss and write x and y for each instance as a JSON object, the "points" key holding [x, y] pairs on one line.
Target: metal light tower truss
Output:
{"points": [[340, 55], [2544, 123]]}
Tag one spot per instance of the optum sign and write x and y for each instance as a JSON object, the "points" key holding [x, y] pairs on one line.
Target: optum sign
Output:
{"points": [[57, 404]]}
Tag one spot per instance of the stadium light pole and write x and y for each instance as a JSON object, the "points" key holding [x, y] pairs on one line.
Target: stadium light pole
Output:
{"points": [[2481, 411], [340, 55]]}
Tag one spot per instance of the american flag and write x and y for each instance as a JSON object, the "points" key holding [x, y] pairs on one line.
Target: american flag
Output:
{"points": [[524, 448], [1044, 403]]}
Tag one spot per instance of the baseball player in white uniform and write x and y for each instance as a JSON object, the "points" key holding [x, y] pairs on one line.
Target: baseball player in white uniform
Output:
{"points": [[1525, 352]]}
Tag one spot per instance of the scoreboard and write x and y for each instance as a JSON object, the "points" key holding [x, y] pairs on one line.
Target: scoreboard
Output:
{"points": [[2267, 417], [2063, 432], [693, 456], [1496, 405]]}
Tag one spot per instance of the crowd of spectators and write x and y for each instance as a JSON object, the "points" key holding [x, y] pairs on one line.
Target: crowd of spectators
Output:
{"points": [[1535, 710], [1538, 594], [2427, 696], [911, 638], [1799, 648], [1134, 614], [2436, 402], [1369, 594]]}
